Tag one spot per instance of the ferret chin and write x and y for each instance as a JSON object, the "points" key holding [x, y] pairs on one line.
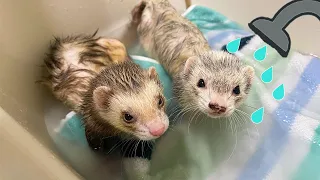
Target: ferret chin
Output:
{"points": [[212, 82]]}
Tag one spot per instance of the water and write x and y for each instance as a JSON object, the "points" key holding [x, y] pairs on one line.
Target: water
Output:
{"points": [[257, 116], [233, 46], [260, 54], [267, 75], [278, 93]]}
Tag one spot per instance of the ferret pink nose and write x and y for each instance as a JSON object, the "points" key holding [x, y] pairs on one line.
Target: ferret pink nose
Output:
{"points": [[156, 129]]}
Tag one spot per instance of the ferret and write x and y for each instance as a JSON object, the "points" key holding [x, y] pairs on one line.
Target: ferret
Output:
{"points": [[122, 105], [212, 82]]}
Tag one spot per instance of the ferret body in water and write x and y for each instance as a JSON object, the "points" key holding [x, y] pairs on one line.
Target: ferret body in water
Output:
{"points": [[124, 111], [122, 105], [213, 82]]}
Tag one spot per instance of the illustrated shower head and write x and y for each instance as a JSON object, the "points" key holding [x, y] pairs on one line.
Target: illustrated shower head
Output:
{"points": [[273, 32]]}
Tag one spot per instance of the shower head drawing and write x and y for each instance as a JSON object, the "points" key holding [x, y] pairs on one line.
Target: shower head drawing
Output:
{"points": [[272, 31]]}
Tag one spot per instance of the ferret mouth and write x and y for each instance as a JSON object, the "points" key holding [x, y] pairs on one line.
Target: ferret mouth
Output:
{"points": [[146, 137], [218, 115]]}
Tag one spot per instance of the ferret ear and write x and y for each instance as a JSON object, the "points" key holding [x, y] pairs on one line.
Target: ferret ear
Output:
{"points": [[190, 61], [249, 73], [100, 96], [152, 73]]}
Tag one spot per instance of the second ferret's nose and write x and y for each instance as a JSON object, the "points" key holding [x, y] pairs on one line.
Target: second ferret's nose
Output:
{"points": [[217, 108], [157, 129]]}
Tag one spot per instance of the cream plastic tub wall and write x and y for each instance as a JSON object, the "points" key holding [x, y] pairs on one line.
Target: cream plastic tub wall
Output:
{"points": [[26, 27]]}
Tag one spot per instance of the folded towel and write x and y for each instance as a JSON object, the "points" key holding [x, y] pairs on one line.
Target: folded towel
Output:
{"points": [[286, 145]]}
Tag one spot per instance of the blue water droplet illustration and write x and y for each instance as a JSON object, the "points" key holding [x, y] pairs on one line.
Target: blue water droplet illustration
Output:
{"points": [[278, 93], [260, 54], [267, 75], [257, 116], [233, 46]]}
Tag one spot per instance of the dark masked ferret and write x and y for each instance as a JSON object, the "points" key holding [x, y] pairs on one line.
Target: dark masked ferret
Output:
{"points": [[212, 82], [116, 97], [122, 105]]}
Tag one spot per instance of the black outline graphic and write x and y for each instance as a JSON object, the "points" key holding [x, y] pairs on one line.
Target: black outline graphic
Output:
{"points": [[303, 4]]}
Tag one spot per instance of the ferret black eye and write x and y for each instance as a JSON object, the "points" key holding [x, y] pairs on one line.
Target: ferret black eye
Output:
{"points": [[236, 90], [201, 83], [128, 118], [160, 102]]}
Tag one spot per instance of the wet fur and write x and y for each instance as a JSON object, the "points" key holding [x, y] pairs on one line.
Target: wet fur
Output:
{"points": [[74, 60], [166, 35], [172, 40], [78, 65]]}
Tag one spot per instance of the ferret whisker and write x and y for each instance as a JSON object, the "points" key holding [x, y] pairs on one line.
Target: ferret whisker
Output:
{"points": [[137, 146], [236, 143], [182, 112], [236, 125], [242, 116], [107, 137], [199, 114], [246, 117], [249, 106], [169, 100], [243, 112], [134, 149], [234, 122], [188, 111], [191, 120], [231, 124], [149, 144], [241, 120], [176, 106], [173, 113], [129, 144], [143, 148], [238, 121], [115, 146]]}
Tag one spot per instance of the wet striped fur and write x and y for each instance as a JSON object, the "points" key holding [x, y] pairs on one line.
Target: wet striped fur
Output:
{"points": [[74, 60]]}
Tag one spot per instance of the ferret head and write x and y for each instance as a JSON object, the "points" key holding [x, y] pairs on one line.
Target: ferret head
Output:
{"points": [[130, 100], [214, 83]]}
